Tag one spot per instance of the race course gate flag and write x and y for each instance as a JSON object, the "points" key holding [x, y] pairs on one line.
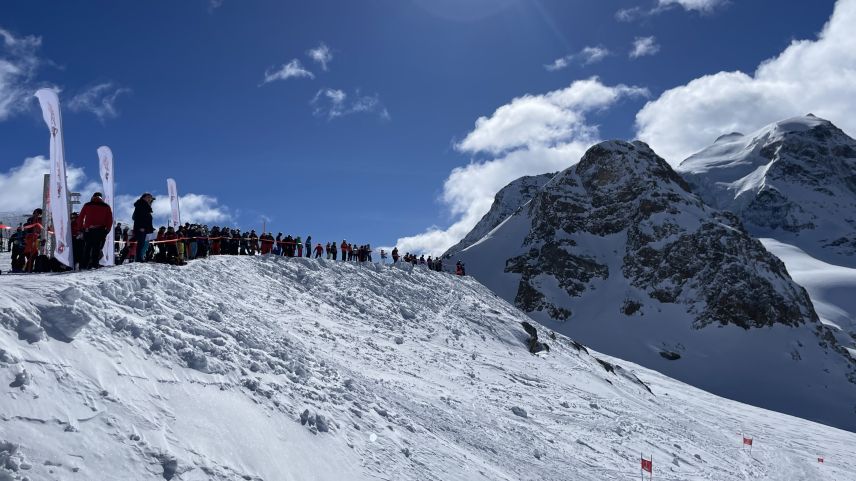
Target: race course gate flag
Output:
{"points": [[647, 465], [49, 101], [105, 163], [173, 202]]}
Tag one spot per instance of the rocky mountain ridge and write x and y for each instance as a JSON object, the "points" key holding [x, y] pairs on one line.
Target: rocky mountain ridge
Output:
{"points": [[618, 252]]}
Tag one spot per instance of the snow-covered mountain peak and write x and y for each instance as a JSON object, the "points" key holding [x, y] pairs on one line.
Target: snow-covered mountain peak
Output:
{"points": [[619, 253], [626, 169], [794, 180], [727, 137], [749, 151], [506, 202]]}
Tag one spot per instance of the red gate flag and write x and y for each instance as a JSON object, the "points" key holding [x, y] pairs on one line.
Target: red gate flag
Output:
{"points": [[648, 465], [747, 441]]}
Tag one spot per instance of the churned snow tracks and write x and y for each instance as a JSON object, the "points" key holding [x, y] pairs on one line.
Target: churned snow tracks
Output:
{"points": [[285, 369]]}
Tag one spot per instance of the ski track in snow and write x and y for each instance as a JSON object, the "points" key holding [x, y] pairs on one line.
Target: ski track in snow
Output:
{"points": [[206, 371]]}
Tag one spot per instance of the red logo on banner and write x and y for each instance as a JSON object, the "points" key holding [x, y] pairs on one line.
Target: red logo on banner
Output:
{"points": [[60, 247], [648, 465], [747, 441]]}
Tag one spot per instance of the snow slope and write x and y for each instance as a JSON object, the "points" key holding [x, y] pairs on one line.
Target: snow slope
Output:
{"points": [[617, 253], [510, 198], [205, 372], [794, 180], [830, 287]]}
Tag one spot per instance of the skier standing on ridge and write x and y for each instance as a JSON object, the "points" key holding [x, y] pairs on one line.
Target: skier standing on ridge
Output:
{"points": [[309, 246], [76, 241], [459, 269], [395, 255], [31, 239], [142, 224], [117, 238], [254, 242], [94, 222], [16, 245]]}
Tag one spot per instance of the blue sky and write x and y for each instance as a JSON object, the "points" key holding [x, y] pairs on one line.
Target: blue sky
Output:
{"points": [[177, 89]]}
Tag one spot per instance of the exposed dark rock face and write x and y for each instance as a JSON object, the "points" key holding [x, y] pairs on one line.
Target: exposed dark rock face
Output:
{"points": [[534, 345], [677, 250], [620, 250], [795, 179]]}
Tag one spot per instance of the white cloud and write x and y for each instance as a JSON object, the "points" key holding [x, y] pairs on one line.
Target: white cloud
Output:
{"points": [[21, 192], [644, 46], [530, 135], [631, 14], [636, 13], [546, 119], [817, 76], [195, 208], [99, 99], [695, 5], [559, 64], [293, 69], [593, 54], [18, 65], [321, 54], [586, 56], [21, 187], [334, 103]]}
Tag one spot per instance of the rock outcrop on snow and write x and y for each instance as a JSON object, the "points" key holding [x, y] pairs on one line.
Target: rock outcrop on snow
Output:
{"points": [[506, 202], [794, 180], [621, 252]]}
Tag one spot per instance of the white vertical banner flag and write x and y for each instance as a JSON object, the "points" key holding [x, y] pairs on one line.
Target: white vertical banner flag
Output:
{"points": [[49, 102], [105, 163], [173, 202]]}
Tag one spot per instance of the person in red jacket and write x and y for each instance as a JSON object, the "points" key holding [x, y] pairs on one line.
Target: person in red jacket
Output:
{"points": [[344, 247], [171, 240], [95, 221], [318, 250], [32, 234]]}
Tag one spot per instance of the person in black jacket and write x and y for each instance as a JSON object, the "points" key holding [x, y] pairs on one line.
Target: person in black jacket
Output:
{"points": [[143, 224]]}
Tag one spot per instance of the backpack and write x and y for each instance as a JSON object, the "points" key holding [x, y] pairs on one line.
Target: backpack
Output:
{"points": [[42, 264]]}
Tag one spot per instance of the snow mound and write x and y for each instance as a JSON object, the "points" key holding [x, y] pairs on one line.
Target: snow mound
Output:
{"points": [[284, 369]]}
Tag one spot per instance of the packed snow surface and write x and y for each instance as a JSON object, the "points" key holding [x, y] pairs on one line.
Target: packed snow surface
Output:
{"points": [[294, 369], [831, 288]]}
